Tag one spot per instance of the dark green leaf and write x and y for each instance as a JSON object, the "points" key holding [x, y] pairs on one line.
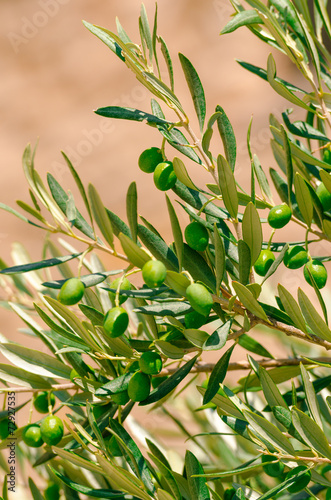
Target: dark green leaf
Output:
{"points": [[227, 136], [100, 215], [170, 384], [197, 485], [165, 309], [303, 129], [177, 232], [86, 490], [254, 346], [217, 375], [303, 197], [252, 231], [311, 433], [263, 74], [130, 114], [25, 268], [88, 279], [136, 461], [218, 338], [219, 258], [158, 248], [167, 58], [291, 307], [118, 225], [195, 87], [132, 210], [119, 384], [313, 319], [276, 263], [61, 199], [197, 200], [249, 301], [244, 262], [195, 264], [227, 185], [178, 141]]}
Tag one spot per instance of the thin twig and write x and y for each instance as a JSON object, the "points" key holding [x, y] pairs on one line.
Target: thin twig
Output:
{"points": [[245, 365]]}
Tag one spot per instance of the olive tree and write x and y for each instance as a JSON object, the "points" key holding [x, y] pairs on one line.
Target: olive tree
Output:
{"points": [[140, 335]]}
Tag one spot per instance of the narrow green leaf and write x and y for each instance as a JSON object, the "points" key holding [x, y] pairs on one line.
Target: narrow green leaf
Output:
{"points": [[88, 279], [218, 375], [289, 165], [196, 265], [291, 307], [35, 491], [17, 214], [176, 308], [311, 433], [177, 233], [105, 37], [270, 389], [244, 262], [218, 338], [263, 74], [262, 180], [136, 461], [71, 211], [181, 173], [35, 361], [313, 319], [196, 337], [303, 129], [178, 141], [311, 396], [87, 490], [280, 88], [70, 318], [178, 282], [168, 61], [158, 248], [227, 185], [31, 211], [25, 268], [227, 136], [219, 258], [160, 88], [23, 378], [303, 197], [269, 432], [61, 199], [122, 113], [243, 18], [196, 89], [146, 31], [197, 485], [132, 210], [249, 301], [136, 255], [168, 480], [252, 231], [100, 215], [276, 263], [254, 346], [123, 479], [170, 384]]}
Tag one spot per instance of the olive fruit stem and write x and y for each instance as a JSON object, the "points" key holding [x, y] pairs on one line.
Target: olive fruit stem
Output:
{"points": [[81, 259], [270, 239]]}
